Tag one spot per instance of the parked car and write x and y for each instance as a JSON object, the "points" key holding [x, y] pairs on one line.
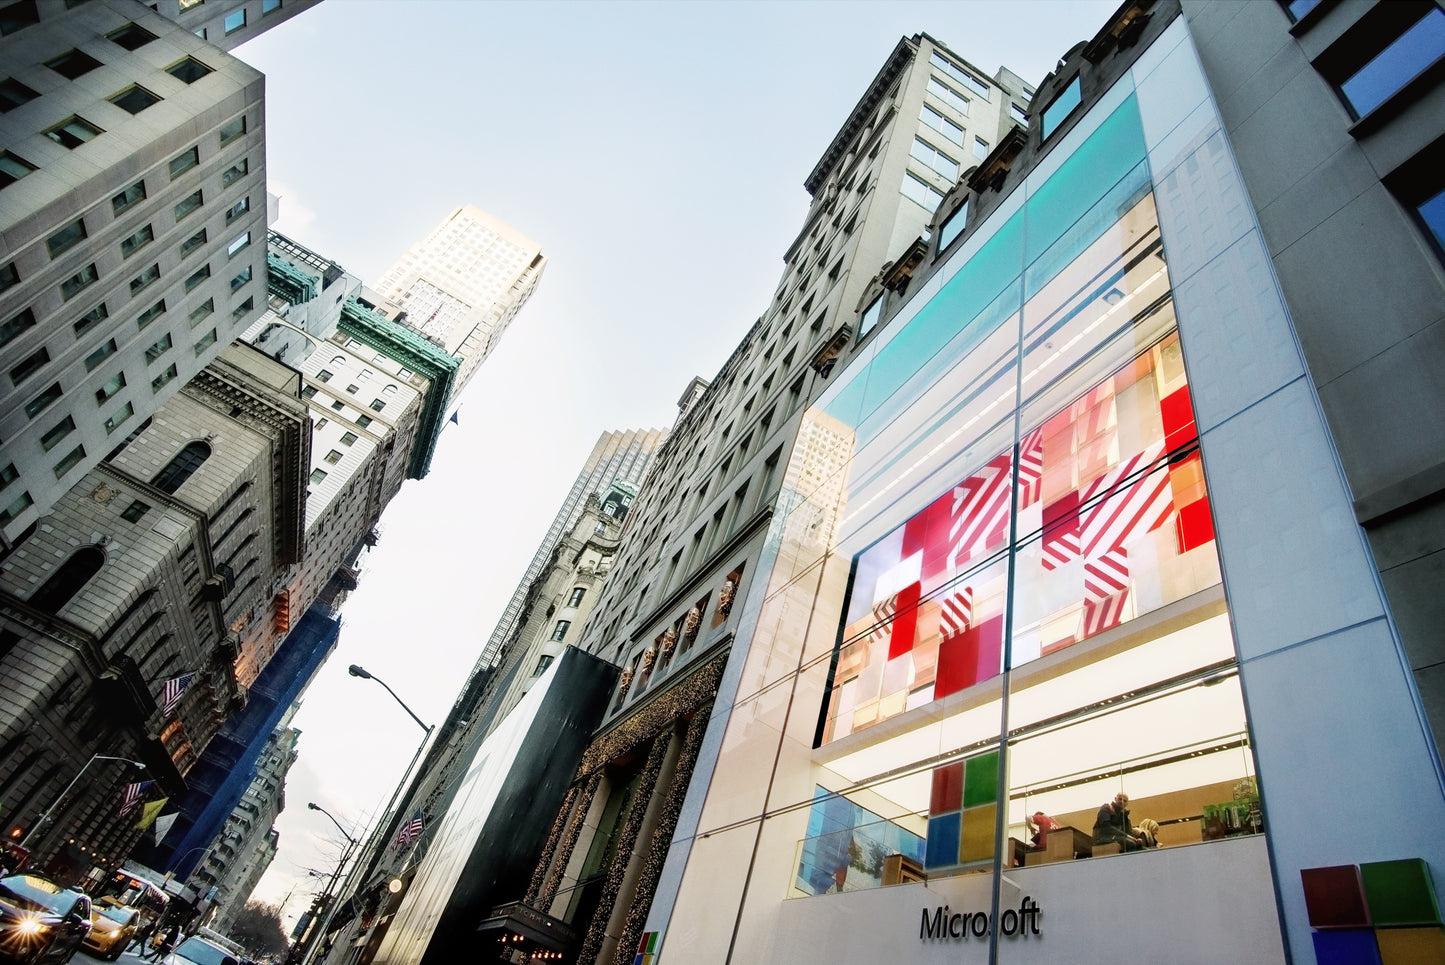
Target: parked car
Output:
{"points": [[40, 920], [111, 929], [200, 951]]}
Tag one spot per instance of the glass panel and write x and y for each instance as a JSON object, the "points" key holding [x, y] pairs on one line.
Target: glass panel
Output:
{"points": [[1062, 107], [1398, 64]]}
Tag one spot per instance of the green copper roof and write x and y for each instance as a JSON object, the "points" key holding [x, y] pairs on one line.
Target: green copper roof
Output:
{"points": [[289, 282], [427, 359]]}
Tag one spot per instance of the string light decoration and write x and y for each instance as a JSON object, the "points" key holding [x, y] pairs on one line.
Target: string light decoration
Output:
{"points": [[626, 840], [569, 840], [662, 836], [539, 874], [674, 703]]}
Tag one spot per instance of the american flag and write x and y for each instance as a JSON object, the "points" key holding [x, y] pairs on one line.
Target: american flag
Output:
{"points": [[174, 689], [409, 830], [132, 795]]}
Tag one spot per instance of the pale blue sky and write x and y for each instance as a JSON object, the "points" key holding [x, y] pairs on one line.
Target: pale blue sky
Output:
{"points": [[656, 151]]}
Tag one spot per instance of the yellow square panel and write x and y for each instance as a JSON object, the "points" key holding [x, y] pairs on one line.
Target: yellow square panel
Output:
{"points": [[976, 838], [1411, 946]]}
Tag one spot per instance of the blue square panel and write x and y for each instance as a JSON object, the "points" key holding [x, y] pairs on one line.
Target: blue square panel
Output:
{"points": [[941, 850], [1355, 946]]}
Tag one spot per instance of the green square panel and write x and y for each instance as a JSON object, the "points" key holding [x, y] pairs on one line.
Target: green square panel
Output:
{"points": [[980, 780], [1400, 893]]}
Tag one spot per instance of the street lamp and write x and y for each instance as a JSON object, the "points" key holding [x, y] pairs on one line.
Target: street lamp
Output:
{"points": [[325, 901], [40, 822], [373, 845]]}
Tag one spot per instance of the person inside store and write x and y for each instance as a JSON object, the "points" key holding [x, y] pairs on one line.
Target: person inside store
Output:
{"points": [[1112, 825], [1040, 824], [1148, 833]]}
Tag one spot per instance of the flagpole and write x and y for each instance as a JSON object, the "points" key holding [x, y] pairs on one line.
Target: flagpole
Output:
{"points": [[40, 822]]}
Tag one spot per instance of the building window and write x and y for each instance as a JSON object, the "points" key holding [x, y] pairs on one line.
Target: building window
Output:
{"points": [[137, 241], [132, 36], [23, 501], [542, 665], [182, 163], [135, 511], [13, 167], [8, 475], [128, 198], [948, 95], [144, 280], [318, 475], [119, 416], [232, 129], [160, 347], [953, 226], [337, 405], [980, 148], [151, 314], [134, 99], [377, 405], [201, 311], [238, 209], [102, 352], [309, 392], [244, 308], [916, 190], [1298, 8], [241, 278], [205, 342], [959, 74], [234, 21], [20, 323], [160, 381], [1019, 115], [68, 579], [235, 247], [78, 282], [73, 132], [334, 456], [187, 205], [870, 317], [323, 376], [73, 63], [560, 630], [1416, 36], [935, 159], [193, 242], [34, 363], [182, 466], [56, 433], [112, 386], [348, 438], [43, 401], [9, 277], [198, 276], [362, 421], [66, 238], [13, 94], [578, 592], [942, 125], [1059, 108], [69, 461], [188, 69], [352, 389], [235, 173], [91, 319]]}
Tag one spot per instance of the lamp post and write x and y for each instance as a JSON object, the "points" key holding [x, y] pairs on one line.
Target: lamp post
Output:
{"points": [[325, 901], [373, 844], [40, 822]]}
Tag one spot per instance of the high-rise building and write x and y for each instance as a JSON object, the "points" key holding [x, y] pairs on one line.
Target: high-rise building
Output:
{"points": [[230, 23], [132, 211], [462, 284], [701, 534], [1097, 619], [576, 553], [240, 854]]}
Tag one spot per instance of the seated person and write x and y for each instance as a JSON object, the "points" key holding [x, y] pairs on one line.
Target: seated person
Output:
{"points": [[1148, 833], [1040, 824], [1112, 824]]}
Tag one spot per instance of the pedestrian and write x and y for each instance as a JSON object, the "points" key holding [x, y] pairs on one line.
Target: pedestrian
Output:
{"points": [[143, 935], [167, 942]]}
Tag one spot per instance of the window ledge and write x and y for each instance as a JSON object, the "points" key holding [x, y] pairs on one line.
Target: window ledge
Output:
{"points": [[1393, 106]]}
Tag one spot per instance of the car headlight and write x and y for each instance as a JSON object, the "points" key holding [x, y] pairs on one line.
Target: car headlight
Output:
{"points": [[30, 926]]}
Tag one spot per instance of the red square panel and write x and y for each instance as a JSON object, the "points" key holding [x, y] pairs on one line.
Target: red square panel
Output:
{"points": [[928, 533], [1335, 897], [1177, 412], [947, 789], [969, 657], [904, 628], [1196, 525]]}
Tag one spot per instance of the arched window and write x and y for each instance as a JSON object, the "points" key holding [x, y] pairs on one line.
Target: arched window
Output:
{"points": [[181, 466], [68, 579]]}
